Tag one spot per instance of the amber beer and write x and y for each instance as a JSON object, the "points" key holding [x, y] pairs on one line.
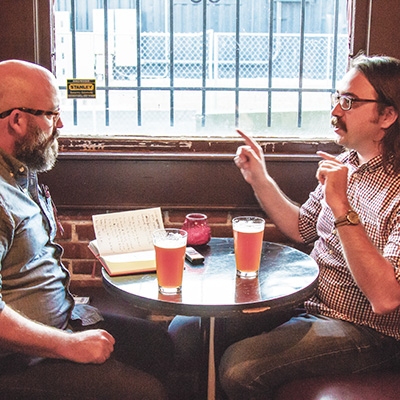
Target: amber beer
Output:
{"points": [[248, 235], [170, 246]]}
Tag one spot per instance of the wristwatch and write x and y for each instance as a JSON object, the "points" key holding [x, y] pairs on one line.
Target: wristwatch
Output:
{"points": [[350, 218]]}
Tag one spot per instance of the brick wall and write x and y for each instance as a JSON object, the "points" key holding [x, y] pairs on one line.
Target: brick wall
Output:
{"points": [[78, 232]]}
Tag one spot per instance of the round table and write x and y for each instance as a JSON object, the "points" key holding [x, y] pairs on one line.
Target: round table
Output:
{"points": [[211, 290]]}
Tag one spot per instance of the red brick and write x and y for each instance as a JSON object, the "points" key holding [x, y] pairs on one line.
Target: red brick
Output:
{"points": [[272, 234], [221, 231], [85, 267], [85, 232], [67, 231], [76, 250]]}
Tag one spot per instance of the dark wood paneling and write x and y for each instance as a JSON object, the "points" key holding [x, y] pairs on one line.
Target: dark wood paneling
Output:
{"points": [[112, 182], [20, 24], [385, 32], [382, 36]]}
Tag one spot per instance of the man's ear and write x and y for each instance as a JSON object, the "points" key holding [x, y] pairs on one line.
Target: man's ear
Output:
{"points": [[390, 115], [18, 122]]}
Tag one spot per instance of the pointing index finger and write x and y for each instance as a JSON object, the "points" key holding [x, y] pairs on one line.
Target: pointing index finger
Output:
{"points": [[248, 140]]}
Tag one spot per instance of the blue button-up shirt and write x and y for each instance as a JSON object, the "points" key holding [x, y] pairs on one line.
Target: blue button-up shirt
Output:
{"points": [[33, 279]]}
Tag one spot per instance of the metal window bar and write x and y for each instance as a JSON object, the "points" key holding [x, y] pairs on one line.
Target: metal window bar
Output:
{"points": [[204, 88], [138, 63], [73, 29], [204, 66], [301, 63], [335, 43], [106, 66], [237, 64], [171, 65], [271, 49]]}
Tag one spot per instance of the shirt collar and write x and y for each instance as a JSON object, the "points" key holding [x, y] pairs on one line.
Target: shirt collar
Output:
{"points": [[16, 168], [372, 165]]}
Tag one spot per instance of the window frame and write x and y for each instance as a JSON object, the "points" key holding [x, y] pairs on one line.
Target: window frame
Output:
{"points": [[147, 147], [269, 91]]}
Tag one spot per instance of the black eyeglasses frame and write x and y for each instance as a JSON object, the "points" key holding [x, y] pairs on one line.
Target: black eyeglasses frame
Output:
{"points": [[335, 99], [55, 113]]}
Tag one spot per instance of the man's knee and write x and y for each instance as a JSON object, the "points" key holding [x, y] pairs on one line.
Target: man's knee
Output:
{"points": [[235, 372]]}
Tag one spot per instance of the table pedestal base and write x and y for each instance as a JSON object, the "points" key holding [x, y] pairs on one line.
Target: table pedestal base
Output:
{"points": [[208, 372]]}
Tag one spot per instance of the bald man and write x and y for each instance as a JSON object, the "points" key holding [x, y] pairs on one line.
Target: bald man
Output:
{"points": [[50, 347]]}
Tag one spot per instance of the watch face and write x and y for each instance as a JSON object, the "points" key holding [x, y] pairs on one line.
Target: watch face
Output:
{"points": [[353, 218]]}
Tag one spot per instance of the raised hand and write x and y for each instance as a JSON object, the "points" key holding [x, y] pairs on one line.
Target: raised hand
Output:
{"points": [[250, 160], [333, 175]]}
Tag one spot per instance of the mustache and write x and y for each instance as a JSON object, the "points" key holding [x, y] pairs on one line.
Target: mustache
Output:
{"points": [[56, 133], [337, 123]]}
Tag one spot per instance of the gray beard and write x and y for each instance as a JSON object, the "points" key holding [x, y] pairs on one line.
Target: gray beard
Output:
{"points": [[36, 151]]}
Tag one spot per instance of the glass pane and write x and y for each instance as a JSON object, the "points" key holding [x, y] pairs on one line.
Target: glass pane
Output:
{"points": [[201, 68]]}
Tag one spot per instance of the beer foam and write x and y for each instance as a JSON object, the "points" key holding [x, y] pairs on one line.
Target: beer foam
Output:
{"points": [[248, 227], [168, 239], [170, 244]]}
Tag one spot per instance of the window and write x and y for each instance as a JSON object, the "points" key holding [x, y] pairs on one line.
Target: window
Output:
{"points": [[201, 68]]}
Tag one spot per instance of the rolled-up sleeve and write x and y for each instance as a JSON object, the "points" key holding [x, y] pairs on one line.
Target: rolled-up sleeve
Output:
{"points": [[308, 216], [5, 223], [391, 250]]}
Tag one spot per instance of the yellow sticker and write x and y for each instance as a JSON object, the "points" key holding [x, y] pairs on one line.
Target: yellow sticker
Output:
{"points": [[81, 88]]}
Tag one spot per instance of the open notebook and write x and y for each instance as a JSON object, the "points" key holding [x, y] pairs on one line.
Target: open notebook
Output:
{"points": [[123, 241]]}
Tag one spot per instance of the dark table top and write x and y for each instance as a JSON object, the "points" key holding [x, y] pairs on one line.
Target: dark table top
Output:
{"points": [[287, 276]]}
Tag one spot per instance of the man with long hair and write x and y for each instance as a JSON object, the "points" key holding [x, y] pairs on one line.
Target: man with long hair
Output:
{"points": [[352, 322]]}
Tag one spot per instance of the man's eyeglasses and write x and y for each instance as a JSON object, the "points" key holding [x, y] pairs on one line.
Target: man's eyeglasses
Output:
{"points": [[346, 102], [54, 114]]}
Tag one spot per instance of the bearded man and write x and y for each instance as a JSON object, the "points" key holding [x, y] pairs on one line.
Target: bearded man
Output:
{"points": [[51, 347]]}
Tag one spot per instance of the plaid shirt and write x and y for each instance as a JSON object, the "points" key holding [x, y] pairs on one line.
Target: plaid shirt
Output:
{"points": [[375, 196]]}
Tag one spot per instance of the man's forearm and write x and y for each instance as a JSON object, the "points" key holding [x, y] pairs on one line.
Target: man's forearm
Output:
{"points": [[374, 274], [280, 209], [20, 334]]}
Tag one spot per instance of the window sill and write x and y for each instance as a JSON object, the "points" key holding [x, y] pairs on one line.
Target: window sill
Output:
{"points": [[188, 147]]}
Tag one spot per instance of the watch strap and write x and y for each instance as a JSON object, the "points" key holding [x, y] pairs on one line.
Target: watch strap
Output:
{"points": [[350, 218]]}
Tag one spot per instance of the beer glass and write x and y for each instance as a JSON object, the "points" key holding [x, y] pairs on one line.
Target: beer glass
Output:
{"points": [[248, 233], [170, 246]]}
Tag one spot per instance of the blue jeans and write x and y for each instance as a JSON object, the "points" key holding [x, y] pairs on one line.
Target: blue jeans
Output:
{"points": [[305, 346]]}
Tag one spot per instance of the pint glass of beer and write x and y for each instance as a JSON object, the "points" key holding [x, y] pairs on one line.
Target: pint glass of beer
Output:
{"points": [[248, 235], [170, 246]]}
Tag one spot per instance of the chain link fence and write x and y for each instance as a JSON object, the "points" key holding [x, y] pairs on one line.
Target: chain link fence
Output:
{"points": [[220, 54], [201, 85]]}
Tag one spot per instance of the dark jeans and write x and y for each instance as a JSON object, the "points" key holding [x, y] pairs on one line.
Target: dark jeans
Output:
{"points": [[305, 346], [262, 352], [142, 358], [186, 334]]}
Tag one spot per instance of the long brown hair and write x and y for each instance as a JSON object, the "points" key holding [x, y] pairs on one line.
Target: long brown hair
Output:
{"points": [[383, 73]]}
